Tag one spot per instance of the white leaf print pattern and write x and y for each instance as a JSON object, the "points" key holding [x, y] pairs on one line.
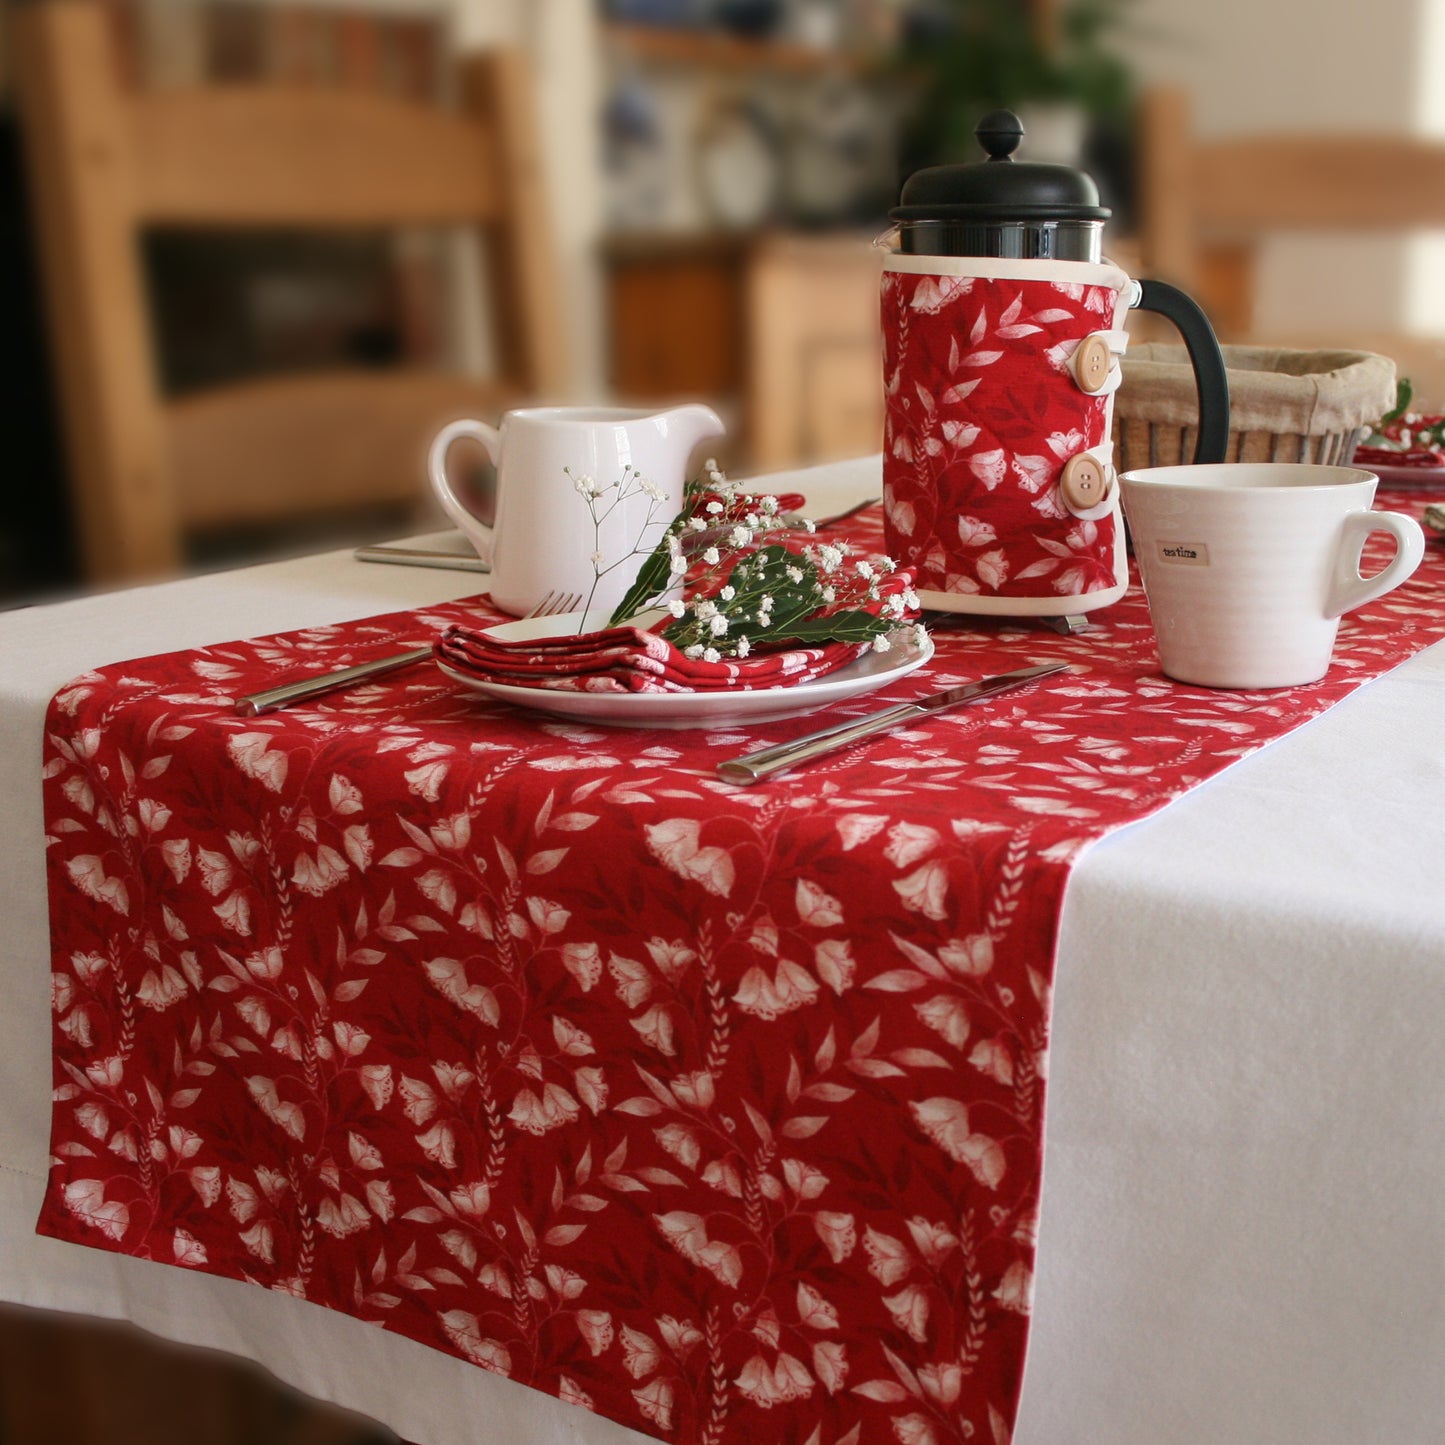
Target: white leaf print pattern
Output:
{"points": [[975, 532], [990, 467], [945, 1121], [464, 1330], [687, 1234], [992, 569], [88, 874], [252, 753], [85, 1198], [675, 844], [933, 293], [817, 908]]}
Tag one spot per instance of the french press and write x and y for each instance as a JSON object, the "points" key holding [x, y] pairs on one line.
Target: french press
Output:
{"points": [[1002, 333]]}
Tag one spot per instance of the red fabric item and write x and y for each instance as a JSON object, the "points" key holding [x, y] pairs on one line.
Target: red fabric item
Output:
{"points": [[632, 659], [716, 1110], [982, 414], [1422, 457], [629, 659]]}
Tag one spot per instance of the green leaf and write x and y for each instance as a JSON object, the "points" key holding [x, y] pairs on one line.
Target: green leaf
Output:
{"points": [[650, 583], [1404, 395], [851, 626]]}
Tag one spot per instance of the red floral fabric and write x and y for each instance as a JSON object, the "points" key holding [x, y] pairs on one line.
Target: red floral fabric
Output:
{"points": [[982, 413], [715, 1110]]}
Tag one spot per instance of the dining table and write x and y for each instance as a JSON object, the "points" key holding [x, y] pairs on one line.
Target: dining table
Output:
{"points": [[1241, 1230]]}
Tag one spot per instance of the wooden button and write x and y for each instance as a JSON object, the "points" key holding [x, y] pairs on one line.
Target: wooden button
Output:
{"points": [[1085, 482], [1091, 363]]}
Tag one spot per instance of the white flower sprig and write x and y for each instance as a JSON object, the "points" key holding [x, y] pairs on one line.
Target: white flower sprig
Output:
{"points": [[602, 500], [745, 591]]}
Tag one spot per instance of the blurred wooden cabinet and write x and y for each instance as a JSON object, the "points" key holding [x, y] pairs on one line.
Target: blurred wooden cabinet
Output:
{"points": [[783, 329]]}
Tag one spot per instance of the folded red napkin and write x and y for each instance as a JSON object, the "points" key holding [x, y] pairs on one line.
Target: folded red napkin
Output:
{"points": [[629, 659]]}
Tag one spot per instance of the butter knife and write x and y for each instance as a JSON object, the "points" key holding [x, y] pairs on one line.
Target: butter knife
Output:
{"points": [[423, 557], [754, 767]]}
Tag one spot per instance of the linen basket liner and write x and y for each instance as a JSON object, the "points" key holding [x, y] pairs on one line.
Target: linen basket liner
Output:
{"points": [[1271, 389]]}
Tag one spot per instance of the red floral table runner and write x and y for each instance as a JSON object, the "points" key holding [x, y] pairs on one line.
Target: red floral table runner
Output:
{"points": [[715, 1110]]}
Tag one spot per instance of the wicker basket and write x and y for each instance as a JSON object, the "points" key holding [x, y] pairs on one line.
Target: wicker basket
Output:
{"points": [[1285, 406]]}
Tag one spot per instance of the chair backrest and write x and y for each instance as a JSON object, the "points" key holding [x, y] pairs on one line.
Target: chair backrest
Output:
{"points": [[1205, 204], [107, 161]]}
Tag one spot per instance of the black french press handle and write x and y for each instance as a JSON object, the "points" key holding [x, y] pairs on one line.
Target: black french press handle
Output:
{"points": [[1210, 382]]}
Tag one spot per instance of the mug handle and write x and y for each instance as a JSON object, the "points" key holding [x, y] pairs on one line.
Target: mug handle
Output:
{"points": [[436, 465], [1348, 589]]}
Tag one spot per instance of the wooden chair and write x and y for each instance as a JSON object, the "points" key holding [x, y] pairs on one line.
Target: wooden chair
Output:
{"points": [[1204, 205], [106, 162]]}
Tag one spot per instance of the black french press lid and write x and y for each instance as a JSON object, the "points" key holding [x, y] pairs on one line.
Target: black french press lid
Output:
{"points": [[1000, 188]]}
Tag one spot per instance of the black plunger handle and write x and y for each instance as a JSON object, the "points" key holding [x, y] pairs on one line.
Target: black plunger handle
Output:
{"points": [[1205, 357]]}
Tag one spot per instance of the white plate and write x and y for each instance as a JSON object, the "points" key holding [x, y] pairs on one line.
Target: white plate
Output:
{"points": [[694, 709]]}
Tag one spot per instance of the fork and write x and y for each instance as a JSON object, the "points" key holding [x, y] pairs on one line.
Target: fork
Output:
{"points": [[552, 605]]}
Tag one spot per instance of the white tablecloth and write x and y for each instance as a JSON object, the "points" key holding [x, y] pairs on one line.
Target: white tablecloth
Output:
{"points": [[1243, 1222]]}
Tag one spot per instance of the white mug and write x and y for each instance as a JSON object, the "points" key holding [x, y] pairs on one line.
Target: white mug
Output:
{"points": [[1248, 567], [549, 535]]}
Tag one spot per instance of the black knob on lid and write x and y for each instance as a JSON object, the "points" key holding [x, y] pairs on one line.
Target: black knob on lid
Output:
{"points": [[999, 133], [985, 191]]}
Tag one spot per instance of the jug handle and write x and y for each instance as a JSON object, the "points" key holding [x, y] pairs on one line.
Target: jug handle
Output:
{"points": [[452, 505], [1210, 381]]}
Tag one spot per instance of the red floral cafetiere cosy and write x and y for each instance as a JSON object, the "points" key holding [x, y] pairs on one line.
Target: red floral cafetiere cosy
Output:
{"points": [[1002, 334]]}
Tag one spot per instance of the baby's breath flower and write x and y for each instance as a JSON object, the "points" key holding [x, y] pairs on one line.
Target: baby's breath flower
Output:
{"points": [[881, 643], [597, 559], [751, 579]]}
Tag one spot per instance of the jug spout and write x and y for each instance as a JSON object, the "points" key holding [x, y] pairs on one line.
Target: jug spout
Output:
{"points": [[689, 425]]}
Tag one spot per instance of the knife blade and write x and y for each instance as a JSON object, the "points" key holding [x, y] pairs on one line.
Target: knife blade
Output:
{"points": [[755, 766]]}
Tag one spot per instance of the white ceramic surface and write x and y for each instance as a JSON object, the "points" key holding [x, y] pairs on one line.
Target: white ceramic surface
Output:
{"points": [[1248, 567], [693, 709], [544, 535]]}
